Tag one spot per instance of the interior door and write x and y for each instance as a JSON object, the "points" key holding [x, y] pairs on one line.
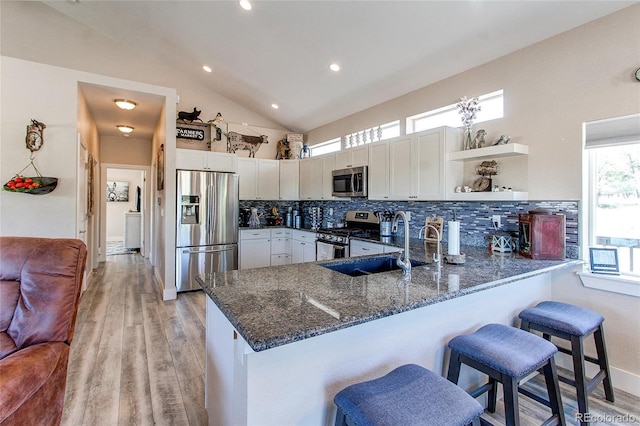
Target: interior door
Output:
{"points": [[81, 207]]}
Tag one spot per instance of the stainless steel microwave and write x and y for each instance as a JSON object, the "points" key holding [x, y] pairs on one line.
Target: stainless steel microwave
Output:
{"points": [[350, 182]]}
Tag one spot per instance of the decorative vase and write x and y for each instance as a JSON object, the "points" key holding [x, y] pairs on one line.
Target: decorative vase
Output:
{"points": [[468, 142]]}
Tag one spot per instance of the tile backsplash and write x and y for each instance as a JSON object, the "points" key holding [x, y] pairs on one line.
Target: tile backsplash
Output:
{"points": [[475, 217]]}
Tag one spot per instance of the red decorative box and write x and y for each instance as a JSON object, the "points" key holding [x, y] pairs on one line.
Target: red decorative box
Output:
{"points": [[542, 236]]}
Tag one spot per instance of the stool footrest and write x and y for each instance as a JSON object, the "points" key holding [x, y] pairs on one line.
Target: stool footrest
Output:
{"points": [[535, 397], [482, 389]]}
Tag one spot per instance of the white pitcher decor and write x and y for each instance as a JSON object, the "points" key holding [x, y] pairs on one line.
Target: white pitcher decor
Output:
{"points": [[468, 108]]}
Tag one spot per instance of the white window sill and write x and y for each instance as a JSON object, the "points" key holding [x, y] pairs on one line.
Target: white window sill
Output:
{"points": [[622, 284]]}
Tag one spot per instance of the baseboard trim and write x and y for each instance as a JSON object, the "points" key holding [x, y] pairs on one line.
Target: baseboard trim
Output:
{"points": [[167, 293]]}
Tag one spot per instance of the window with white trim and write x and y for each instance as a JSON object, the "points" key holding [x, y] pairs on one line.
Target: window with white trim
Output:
{"points": [[326, 147], [613, 152], [374, 134], [491, 107]]}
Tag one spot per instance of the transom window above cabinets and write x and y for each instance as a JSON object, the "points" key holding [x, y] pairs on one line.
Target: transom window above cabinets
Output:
{"points": [[373, 134], [491, 107]]}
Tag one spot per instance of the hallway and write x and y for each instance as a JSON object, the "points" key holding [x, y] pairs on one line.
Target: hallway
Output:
{"points": [[136, 360]]}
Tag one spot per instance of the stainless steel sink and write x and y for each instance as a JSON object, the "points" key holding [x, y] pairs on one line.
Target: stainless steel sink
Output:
{"points": [[366, 266]]}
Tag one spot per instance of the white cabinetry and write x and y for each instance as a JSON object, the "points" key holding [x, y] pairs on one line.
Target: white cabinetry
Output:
{"points": [[417, 164], [379, 171], [280, 246], [514, 167], [352, 157], [255, 248], [191, 159], [289, 179], [259, 179], [311, 170], [363, 248], [303, 246]]}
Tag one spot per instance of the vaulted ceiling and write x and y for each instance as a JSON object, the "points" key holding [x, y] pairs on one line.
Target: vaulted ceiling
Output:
{"points": [[280, 51]]}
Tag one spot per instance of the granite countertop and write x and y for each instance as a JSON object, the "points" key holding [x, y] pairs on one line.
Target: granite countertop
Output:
{"points": [[277, 305]]}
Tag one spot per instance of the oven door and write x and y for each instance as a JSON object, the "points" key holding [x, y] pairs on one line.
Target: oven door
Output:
{"points": [[328, 251]]}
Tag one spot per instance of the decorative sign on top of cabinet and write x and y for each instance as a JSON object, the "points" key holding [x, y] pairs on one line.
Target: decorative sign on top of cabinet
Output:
{"points": [[259, 178], [352, 157], [191, 159], [510, 171]]}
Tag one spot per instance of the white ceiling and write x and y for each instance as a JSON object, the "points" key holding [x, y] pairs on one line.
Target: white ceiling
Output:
{"points": [[279, 52]]}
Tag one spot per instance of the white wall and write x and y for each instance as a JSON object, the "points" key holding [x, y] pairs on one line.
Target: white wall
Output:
{"points": [[116, 210], [550, 89]]}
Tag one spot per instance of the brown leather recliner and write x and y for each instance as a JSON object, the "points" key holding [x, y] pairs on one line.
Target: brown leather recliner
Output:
{"points": [[40, 284]]}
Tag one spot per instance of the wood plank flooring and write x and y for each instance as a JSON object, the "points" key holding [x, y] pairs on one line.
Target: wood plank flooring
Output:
{"points": [[137, 360]]}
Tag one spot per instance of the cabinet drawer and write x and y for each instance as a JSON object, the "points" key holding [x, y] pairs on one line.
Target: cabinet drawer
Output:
{"points": [[363, 248], [281, 232], [304, 235], [254, 234]]}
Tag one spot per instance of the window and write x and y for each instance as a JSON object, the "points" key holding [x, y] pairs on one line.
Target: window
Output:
{"points": [[326, 147], [492, 107], [614, 188], [374, 134]]}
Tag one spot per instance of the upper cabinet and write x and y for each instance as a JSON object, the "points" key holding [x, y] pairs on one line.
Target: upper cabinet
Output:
{"points": [[289, 179], [311, 171], [352, 157], [512, 163], [379, 170], [417, 164], [259, 179], [191, 159]]}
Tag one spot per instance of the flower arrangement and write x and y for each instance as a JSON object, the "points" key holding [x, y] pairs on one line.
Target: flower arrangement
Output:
{"points": [[468, 108]]}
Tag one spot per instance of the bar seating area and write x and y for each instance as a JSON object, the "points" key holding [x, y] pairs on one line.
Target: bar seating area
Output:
{"points": [[413, 395]]}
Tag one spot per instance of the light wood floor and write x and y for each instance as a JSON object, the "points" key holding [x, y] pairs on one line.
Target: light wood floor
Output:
{"points": [[137, 360]]}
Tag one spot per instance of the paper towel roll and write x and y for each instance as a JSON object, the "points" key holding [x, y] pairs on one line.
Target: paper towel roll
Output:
{"points": [[454, 237]]}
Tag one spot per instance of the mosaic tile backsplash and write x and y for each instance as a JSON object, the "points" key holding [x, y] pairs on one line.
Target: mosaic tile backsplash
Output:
{"points": [[475, 228]]}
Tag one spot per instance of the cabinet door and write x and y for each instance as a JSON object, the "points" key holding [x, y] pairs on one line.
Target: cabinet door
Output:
{"points": [[248, 173], [400, 170], [379, 171], [222, 162], [352, 157], [328, 165], [280, 245], [289, 179], [255, 253], [268, 181], [363, 248], [311, 179], [297, 251], [309, 251], [428, 157], [190, 159]]}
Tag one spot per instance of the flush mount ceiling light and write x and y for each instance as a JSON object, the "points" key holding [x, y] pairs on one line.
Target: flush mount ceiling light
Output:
{"points": [[124, 129], [245, 4], [274, 106], [334, 67], [207, 68], [125, 104]]}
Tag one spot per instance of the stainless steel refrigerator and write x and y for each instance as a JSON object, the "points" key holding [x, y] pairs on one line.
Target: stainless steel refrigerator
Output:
{"points": [[207, 225]]}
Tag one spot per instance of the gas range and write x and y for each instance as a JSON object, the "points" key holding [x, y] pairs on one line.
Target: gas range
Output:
{"points": [[360, 223]]}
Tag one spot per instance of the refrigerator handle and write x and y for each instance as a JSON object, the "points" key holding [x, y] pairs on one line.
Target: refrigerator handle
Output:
{"points": [[211, 210], [197, 251]]}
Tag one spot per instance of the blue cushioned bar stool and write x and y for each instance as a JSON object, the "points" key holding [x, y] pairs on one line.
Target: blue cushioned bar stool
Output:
{"points": [[573, 323], [408, 395], [507, 355]]}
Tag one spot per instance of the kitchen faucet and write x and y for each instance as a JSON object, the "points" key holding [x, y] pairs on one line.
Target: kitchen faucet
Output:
{"points": [[403, 258], [436, 256]]}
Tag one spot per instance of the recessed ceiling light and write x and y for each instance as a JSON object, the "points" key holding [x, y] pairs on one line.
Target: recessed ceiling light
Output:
{"points": [[334, 67], [124, 129], [274, 106], [245, 4], [125, 104], [207, 68]]}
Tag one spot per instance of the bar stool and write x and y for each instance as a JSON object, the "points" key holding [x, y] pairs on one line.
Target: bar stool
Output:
{"points": [[507, 355], [573, 323], [408, 395]]}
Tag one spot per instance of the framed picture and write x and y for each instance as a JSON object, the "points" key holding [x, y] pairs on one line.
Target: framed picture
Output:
{"points": [[604, 260], [117, 191], [160, 170]]}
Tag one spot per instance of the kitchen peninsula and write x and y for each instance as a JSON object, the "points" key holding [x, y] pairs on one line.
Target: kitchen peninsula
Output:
{"points": [[281, 341]]}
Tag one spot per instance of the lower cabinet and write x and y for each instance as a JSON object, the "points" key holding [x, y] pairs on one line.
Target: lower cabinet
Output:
{"points": [[255, 248], [303, 246], [363, 248], [280, 246]]}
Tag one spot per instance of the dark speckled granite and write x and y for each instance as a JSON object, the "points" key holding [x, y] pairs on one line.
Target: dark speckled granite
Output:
{"points": [[274, 306]]}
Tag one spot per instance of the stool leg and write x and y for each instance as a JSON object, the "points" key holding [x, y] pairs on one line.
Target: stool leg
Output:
{"points": [[341, 418], [492, 396], [601, 349], [454, 367], [553, 389], [511, 406], [577, 353]]}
